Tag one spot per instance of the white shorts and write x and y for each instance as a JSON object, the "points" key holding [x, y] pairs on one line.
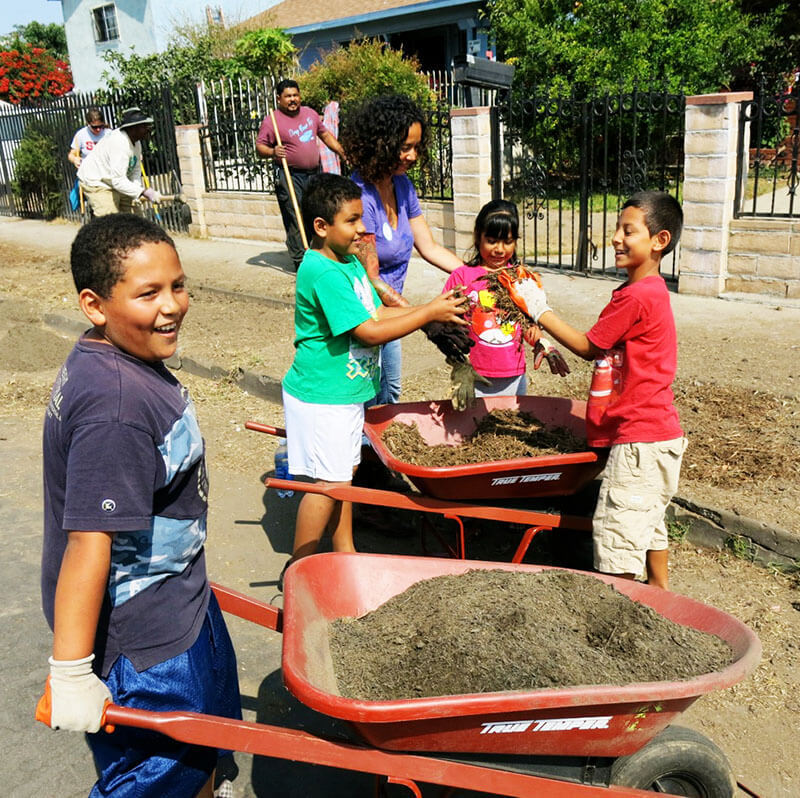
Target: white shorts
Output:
{"points": [[638, 482], [323, 441]]}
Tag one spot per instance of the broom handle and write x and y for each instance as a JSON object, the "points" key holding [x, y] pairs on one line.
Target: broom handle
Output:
{"points": [[289, 182]]}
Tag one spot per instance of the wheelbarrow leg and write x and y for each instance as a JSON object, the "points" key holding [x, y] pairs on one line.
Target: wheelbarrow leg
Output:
{"points": [[529, 534]]}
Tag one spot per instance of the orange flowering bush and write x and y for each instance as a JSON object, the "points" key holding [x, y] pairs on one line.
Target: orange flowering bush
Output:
{"points": [[30, 74]]}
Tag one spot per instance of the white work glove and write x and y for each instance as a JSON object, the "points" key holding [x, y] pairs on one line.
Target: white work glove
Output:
{"points": [[533, 296], [74, 697], [152, 195]]}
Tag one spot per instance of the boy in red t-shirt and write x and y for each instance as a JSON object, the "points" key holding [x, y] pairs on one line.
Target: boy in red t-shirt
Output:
{"points": [[635, 344]]}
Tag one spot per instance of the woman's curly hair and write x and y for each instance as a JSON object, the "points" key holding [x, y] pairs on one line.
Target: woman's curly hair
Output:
{"points": [[374, 132]]}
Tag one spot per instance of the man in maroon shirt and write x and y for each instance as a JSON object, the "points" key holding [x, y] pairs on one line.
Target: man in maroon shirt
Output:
{"points": [[298, 126]]}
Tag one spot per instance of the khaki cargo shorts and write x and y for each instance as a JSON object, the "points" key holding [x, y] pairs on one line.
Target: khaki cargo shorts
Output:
{"points": [[638, 482], [104, 201]]}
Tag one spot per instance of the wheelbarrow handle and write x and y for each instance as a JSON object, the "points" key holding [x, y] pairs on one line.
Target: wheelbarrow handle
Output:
{"points": [[263, 739], [257, 426]]}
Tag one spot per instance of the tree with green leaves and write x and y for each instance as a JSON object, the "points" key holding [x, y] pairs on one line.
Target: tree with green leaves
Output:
{"points": [[207, 56], [695, 45], [367, 68], [267, 52], [50, 37], [37, 180]]}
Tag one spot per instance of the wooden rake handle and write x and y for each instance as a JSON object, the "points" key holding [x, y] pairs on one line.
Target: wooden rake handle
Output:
{"points": [[289, 182]]}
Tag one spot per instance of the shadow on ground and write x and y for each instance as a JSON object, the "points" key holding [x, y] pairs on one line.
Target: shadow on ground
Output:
{"points": [[280, 261]]}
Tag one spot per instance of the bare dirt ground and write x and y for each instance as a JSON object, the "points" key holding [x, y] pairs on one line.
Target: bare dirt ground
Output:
{"points": [[739, 366]]}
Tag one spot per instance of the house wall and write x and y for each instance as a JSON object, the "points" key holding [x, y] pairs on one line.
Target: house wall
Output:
{"points": [[452, 19], [147, 25], [135, 21]]}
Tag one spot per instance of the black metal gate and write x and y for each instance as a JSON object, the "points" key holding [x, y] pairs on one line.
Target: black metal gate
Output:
{"points": [[570, 161], [769, 172], [57, 121]]}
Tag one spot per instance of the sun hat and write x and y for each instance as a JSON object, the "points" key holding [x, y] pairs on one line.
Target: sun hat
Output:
{"points": [[134, 116]]}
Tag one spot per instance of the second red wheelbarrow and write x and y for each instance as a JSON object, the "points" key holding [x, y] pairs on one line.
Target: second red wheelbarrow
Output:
{"points": [[518, 478], [476, 491]]}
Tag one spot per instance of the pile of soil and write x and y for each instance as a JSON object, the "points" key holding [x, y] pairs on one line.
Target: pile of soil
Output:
{"points": [[491, 631], [499, 435]]}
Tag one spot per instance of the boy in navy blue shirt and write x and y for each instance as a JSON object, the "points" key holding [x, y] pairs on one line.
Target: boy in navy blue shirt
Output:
{"points": [[124, 583]]}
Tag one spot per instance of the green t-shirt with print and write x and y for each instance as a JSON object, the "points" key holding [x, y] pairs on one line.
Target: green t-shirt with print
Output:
{"points": [[330, 366]]}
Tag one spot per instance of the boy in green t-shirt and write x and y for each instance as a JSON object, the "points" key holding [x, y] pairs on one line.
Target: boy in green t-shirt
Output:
{"points": [[339, 325]]}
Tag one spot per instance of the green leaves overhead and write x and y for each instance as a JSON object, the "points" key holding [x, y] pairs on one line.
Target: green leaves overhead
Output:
{"points": [[697, 45]]}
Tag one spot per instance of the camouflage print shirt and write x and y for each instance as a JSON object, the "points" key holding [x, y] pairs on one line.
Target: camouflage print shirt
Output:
{"points": [[123, 454]]}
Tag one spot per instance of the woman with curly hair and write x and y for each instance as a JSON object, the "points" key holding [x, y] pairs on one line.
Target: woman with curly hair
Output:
{"points": [[383, 138]]}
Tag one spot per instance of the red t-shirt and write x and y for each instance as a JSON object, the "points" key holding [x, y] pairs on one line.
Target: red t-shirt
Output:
{"points": [[638, 322], [298, 134]]}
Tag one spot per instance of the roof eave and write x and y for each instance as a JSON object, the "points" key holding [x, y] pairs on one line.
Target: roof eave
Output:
{"points": [[375, 16]]}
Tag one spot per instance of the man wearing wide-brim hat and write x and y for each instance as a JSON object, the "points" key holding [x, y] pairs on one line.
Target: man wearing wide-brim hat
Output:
{"points": [[111, 175]]}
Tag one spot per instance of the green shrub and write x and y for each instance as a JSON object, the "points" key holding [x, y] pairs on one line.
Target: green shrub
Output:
{"points": [[367, 68], [37, 179]]}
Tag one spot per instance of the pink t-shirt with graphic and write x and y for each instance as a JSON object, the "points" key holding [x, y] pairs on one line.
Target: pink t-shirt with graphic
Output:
{"points": [[498, 350], [298, 134]]}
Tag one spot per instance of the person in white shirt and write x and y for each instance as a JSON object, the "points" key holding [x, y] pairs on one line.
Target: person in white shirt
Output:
{"points": [[87, 138], [111, 178]]}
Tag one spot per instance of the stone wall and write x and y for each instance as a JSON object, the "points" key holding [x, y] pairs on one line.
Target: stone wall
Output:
{"points": [[719, 253], [764, 257]]}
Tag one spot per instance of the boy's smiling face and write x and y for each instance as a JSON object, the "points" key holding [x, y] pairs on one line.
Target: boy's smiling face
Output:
{"points": [[343, 234], [144, 312], [635, 247]]}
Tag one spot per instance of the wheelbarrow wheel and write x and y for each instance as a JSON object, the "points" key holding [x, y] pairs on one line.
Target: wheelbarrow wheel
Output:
{"points": [[678, 761]]}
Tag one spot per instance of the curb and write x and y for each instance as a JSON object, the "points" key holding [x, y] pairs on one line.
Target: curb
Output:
{"points": [[240, 296], [752, 540], [256, 384], [745, 537]]}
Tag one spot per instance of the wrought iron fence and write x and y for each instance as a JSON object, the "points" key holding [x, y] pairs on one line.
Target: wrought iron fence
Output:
{"points": [[231, 114], [448, 92], [570, 161], [57, 121], [769, 151]]}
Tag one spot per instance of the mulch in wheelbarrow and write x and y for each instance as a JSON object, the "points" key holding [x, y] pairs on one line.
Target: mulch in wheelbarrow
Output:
{"points": [[499, 435], [491, 631]]}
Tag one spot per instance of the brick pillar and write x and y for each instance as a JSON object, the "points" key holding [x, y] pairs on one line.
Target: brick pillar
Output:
{"points": [[472, 170], [192, 177], [709, 186]]}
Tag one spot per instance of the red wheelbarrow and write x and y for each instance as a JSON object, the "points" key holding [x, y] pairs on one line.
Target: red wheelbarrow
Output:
{"points": [[452, 491], [553, 743]]}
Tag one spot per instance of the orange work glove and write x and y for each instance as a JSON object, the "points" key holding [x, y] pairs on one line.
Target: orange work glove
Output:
{"points": [[74, 697], [525, 290]]}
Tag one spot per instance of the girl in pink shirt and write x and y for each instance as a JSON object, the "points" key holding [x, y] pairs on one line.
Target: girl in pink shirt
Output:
{"points": [[498, 353]]}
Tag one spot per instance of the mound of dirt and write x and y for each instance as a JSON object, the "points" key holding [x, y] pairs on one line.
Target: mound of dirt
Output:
{"points": [[28, 348], [499, 435], [491, 631]]}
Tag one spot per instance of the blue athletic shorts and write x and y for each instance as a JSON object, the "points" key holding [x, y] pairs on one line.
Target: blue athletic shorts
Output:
{"points": [[136, 763]]}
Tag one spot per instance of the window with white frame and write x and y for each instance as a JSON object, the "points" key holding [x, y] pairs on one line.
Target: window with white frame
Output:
{"points": [[105, 23]]}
